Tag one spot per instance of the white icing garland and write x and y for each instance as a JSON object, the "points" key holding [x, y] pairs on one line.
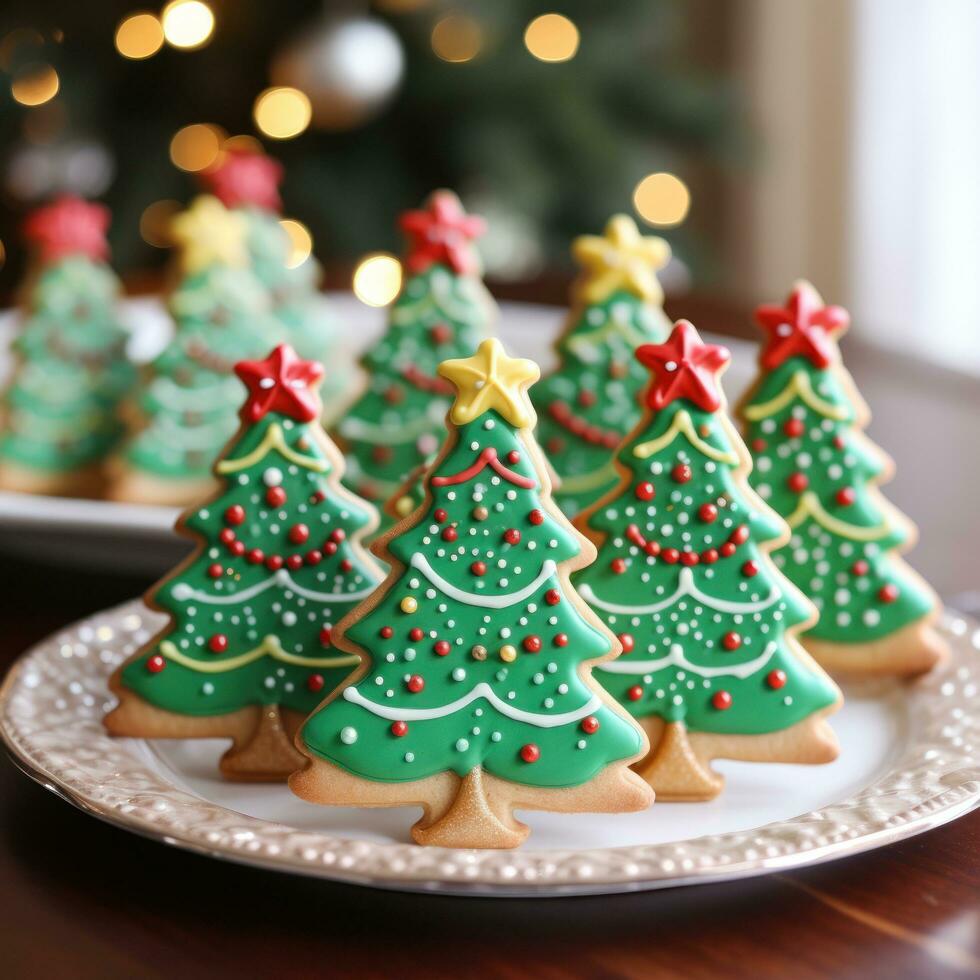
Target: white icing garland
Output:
{"points": [[685, 587], [810, 505], [352, 427], [485, 601], [676, 658], [482, 690], [281, 578]]}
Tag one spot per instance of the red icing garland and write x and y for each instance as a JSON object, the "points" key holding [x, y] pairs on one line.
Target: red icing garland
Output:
{"points": [[487, 458], [562, 413], [423, 382], [671, 555]]}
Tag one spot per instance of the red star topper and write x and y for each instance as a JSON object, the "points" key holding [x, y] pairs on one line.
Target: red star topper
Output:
{"points": [[68, 226], [245, 178], [281, 383], [684, 367], [804, 328], [442, 233]]}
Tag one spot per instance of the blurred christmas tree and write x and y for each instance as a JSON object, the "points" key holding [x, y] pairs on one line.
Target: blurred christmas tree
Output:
{"points": [[405, 95]]}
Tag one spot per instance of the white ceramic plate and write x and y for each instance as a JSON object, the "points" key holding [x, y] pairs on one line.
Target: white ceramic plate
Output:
{"points": [[137, 537], [911, 761]]}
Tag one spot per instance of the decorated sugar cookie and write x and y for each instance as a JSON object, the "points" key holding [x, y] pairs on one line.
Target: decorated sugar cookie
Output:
{"points": [[186, 406], [249, 652], [711, 665], [591, 400], [247, 182], [475, 696], [804, 419], [58, 415], [442, 311]]}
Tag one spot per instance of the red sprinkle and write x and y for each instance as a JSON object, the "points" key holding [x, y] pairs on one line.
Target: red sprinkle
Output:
{"points": [[512, 536], [536, 517], [386, 632], [626, 639], [731, 641], [618, 565], [797, 482], [399, 728], [442, 648], [750, 569], [315, 682], [440, 515], [275, 496], [708, 513], [449, 534], [670, 555], [215, 570], [218, 643], [415, 634], [479, 568], [256, 556], [560, 640], [226, 535], [710, 556], [513, 457], [273, 562], [325, 634], [793, 428], [531, 643], [415, 683], [346, 565], [590, 725], [155, 664], [299, 533], [645, 491], [681, 473], [776, 679], [314, 557], [860, 567], [888, 593], [721, 700], [552, 597], [294, 562], [530, 752], [845, 496], [635, 693], [235, 514]]}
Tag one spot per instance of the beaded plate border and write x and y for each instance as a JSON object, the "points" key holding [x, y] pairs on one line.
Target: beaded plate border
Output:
{"points": [[52, 702]]}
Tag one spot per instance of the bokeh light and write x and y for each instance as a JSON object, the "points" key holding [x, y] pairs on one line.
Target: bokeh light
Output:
{"points": [[300, 240], [282, 112], [552, 38], [16, 44], [35, 85], [243, 143], [139, 36], [457, 38], [377, 279], [187, 23], [195, 147], [155, 223], [662, 199]]}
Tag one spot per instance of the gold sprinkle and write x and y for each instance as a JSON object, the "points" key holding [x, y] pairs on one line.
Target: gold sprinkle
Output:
{"points": [[479, 652], [409, 604], [508, 653]]}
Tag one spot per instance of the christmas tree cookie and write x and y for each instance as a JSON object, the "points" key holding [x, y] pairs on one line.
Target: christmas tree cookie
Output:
{"points": [[442, 311], [711, 665], [186, 406], [804, 419], [591, 400], [248, 183], [248, 652], [475, 695], [58, 417]]}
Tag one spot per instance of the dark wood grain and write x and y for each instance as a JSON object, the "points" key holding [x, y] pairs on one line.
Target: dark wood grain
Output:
{"points": [[81, 899]]}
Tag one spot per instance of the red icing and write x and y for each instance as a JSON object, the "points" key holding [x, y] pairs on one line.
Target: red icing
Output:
{"points": [[804, 327], [486, 458], [284, 383], [684, 367], [442, 233], [243, 177], [68, 226]]}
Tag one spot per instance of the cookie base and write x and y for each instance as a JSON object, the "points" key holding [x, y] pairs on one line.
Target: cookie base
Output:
{"points": [[910, 651], [678, 766], [85, 482], [262, 736], [134, 487], [475, 811]]}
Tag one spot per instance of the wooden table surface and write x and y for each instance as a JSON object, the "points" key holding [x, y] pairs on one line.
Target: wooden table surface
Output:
{"points": [[82, 899]]}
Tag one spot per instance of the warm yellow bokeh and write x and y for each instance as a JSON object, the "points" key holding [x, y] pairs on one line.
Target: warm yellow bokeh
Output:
{"points": [[195, 147], [155, 223], [457, 38], [300, 240], [187, 23], [282, 112], [35, 85], [551, 37], [662, 199], [139, 36], [378, 279]]}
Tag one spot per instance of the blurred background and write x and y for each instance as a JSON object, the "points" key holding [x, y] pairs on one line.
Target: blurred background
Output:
{"points": [[766, 139]]}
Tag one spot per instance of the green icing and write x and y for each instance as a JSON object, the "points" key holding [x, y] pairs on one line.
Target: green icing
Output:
{"points": [[71, 373], [598, 381], [190, 397], [822, 557], [677, 616], [294, 294], [502, 607], [396, 424], [250, 602]]}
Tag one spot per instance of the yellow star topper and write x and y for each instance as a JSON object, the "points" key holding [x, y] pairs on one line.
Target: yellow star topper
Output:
{"points": [[491, 380], [209, 234], [621, 258]]}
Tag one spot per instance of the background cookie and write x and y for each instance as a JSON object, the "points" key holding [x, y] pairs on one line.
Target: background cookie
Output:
{"points": [[803, 420], [711, 666]]}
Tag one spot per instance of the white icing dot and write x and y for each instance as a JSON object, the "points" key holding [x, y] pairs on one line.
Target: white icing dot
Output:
{"points": [[462, 745], [348, 735], [272, 477], [459, 674]]}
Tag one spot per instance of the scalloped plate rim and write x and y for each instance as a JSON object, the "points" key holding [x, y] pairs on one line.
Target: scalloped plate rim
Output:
{"points": [[927, 813]]}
